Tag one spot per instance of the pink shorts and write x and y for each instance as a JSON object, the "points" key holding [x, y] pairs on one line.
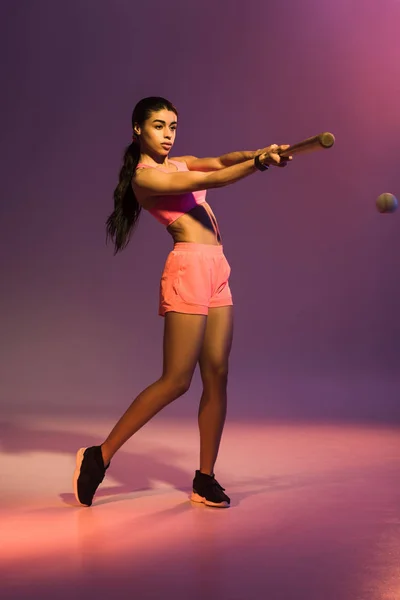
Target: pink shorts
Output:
{"points": [[195, 278]]}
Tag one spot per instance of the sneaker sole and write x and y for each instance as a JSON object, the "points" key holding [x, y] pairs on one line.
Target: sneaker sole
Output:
{"points": [[77, 472], [196, 498]]}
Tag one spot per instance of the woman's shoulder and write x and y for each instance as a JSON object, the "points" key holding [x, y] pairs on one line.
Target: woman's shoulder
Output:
{"points": [[182, 162]]}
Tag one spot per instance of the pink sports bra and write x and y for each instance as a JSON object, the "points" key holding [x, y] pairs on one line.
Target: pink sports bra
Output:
{"points": [[169, 208]]}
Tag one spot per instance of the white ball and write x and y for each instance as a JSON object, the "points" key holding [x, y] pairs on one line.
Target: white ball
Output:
{"points": [[386, 203]]}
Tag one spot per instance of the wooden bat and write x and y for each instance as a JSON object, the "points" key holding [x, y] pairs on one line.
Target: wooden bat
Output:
{"points": [[317, 142]]}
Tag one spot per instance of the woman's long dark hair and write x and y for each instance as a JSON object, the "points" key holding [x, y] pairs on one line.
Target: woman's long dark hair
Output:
{"points": [[121, 223]]}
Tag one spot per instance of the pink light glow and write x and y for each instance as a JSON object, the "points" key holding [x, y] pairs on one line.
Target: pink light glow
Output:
{"points": [[317, 500]]}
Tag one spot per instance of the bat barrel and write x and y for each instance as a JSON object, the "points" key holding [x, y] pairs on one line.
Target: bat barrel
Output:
{"points": [[317, 142]]}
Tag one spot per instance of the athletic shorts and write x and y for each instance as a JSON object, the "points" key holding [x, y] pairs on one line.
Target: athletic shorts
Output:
{"points": [[195, 278]]}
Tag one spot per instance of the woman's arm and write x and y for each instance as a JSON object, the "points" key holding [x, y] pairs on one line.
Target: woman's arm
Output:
{"points": [[157, 183], [216, 163]]}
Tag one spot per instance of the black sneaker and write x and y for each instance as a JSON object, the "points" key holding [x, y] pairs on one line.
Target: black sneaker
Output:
{"points": [[207, 489], [89, 474]]}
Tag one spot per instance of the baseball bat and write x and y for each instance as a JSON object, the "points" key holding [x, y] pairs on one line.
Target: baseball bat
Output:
{"points": [[317, 142]]}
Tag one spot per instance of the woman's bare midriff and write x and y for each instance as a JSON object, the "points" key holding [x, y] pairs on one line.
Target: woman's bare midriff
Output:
{"points": [[198, 226]]}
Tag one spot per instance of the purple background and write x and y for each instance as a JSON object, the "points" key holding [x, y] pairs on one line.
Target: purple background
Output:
{"points": [[315, 268]]}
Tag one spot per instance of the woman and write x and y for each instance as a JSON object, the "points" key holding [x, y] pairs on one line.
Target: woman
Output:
{"points": [[195, 298]]}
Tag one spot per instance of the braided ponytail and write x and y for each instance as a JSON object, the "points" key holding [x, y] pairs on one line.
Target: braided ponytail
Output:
{"points": [[121, 223]]}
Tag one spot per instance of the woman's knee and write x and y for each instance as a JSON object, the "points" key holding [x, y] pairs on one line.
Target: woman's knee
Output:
{"points": [[177, 385], [216, 374]]}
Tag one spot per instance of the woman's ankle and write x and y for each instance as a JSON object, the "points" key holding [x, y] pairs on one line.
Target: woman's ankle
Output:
{"points": [[106, 455]]}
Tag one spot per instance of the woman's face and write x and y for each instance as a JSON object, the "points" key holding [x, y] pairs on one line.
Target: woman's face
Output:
{"points": [[157, 134]]}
